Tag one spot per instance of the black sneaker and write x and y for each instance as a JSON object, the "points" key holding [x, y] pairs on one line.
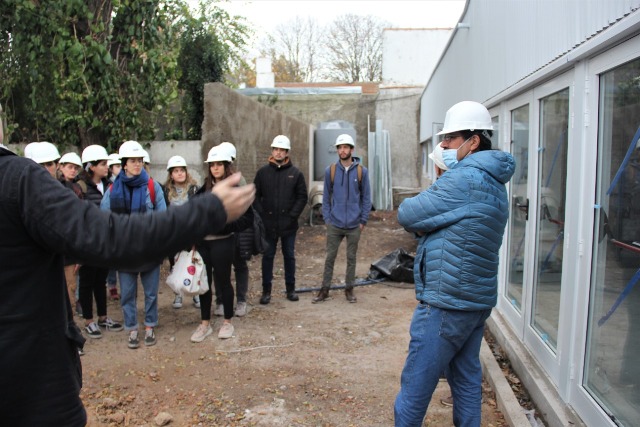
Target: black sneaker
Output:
{"points": [[133, 339], [292, 296], [93, 331], [149, 337], [110, 325]]}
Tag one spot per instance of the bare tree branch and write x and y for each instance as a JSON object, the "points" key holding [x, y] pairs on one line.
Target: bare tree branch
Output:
{"points": [[354, 46]]}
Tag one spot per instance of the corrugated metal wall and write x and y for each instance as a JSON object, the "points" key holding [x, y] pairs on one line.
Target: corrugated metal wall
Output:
{"points": [[508, 40]]}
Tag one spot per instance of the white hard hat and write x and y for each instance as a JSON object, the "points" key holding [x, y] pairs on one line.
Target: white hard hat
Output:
{"points": [[436, 156], [344, 139], [131, 149], [29, 149], [467, 115], [176, 161], [281, 141], [94, 153], [114, 159], [45, 152], [71, 158], [228, 148], [146, 157], [218, 155]]}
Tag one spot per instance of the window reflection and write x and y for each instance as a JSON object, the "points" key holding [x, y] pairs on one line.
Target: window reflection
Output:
{"points": [[612, 371]]}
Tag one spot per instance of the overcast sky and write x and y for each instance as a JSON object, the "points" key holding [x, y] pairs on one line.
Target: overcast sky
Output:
{"points": [[266, 14]]}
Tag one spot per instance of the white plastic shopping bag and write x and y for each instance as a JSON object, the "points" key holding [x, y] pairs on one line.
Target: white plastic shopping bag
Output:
{"points": [[189, 277]]}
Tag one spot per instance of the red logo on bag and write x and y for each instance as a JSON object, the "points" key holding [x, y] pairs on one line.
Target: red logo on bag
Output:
{"points": [[191, 269]]}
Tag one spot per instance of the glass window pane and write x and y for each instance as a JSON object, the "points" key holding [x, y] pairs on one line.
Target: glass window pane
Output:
{"points": [[552, 182], [612, 370], [517, 217]]}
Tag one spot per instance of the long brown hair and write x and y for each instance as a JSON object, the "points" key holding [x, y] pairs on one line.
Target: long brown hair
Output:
{"points": [[171, 187], [228, 171]]}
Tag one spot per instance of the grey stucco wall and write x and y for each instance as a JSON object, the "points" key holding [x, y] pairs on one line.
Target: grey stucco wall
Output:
{"points": [[398, 109], [251, 126]]}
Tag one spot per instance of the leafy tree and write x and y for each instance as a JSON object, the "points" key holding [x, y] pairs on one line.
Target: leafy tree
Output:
{"points": [[354, 46], [209, 46], [80, 72], [87, 72]]}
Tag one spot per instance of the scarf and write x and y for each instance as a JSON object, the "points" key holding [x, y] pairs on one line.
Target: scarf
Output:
{"points": [[129, 194]]}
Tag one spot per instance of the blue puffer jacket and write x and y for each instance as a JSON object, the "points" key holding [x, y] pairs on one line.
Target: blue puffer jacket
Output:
{"points": [[462, 216]]}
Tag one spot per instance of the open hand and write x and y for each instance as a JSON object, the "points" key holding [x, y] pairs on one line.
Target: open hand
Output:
{"points": [[236, 200]]}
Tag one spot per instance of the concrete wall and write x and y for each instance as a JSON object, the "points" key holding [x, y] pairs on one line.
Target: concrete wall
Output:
{"points": [[313, 109], [409, 55], [399, 111], [251, 126], [161, 151], [398, 108]]}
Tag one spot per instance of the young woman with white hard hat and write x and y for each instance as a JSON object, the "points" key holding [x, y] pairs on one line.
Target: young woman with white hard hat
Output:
{"points": [[178, 188], [45, 154], [217, 253], [112, 279], [69, 167], [134, 192], [94, 183]]}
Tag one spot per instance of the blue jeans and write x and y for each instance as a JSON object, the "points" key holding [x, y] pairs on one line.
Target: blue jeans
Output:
{"points": [[129, 294], [111, 279], [442, 341], [288, 244]]}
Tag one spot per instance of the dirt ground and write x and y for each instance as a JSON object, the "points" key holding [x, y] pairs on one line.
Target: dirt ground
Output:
{"points": [[288, 364]]}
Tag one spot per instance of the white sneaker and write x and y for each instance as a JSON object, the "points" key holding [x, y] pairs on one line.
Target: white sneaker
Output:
{"points": [[219, 311], [196, 301], [226, 331], [241, 309], [177, 301], [201, 333]]}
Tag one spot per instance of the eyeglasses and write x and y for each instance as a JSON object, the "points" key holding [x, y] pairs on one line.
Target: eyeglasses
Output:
{"points": [[451, 137]]}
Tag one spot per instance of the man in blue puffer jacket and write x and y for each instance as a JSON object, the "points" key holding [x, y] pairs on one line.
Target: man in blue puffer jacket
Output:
{"points": [[460, 222]]}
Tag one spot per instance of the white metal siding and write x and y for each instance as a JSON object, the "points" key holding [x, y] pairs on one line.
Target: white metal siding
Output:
{"points": [[507, 41], [410, 55]]}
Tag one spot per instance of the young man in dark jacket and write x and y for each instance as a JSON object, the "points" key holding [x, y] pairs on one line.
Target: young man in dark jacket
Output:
{"points": [[281, 194], [41, 222]]}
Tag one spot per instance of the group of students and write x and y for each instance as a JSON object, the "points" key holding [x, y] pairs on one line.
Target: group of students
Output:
{"points": [[120, 183]]}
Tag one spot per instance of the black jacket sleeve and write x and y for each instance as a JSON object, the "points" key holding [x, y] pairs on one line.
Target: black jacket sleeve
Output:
{"points": [[301, 196], [60, 222]]}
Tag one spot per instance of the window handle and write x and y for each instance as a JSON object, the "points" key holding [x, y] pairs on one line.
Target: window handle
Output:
{"points": [[524, 207]]}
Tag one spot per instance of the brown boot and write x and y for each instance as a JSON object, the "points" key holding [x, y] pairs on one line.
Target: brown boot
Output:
{"points": [[323, 294], [348, 292]]}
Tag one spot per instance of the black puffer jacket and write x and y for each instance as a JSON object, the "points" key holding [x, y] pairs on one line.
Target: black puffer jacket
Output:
{"points": [[240, 224], [40, 222], [90, 189], [281, 194]]}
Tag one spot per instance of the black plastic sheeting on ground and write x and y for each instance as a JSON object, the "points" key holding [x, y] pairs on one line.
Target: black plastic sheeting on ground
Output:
{"points": [[396, 266]]}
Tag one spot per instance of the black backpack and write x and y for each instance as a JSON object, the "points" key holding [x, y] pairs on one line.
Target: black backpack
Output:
{"points": [[252, 241]]}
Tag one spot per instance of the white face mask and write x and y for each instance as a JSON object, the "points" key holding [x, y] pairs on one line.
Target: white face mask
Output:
{"points": [[450, 155]]}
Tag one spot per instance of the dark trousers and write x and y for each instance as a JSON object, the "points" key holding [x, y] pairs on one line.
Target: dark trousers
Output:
{"points": [[92, 284], [288, 244], [241, 271], [217, 256]]}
